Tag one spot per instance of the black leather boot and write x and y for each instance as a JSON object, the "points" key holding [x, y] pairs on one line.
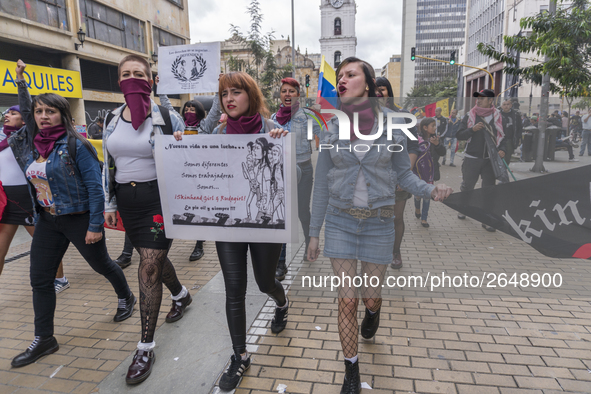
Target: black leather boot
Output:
{"points": [[370, 324], [197, 252], [352, 382], [39, 348]]}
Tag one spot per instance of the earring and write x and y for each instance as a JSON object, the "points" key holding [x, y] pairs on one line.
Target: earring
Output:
{"points": [[367, 88]]}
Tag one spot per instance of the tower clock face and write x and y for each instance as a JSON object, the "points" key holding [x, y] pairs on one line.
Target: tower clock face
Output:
{"points": [[336, 3]]}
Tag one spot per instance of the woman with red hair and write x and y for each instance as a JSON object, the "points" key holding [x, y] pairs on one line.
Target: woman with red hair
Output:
{"points": [[244, 103], [293, 118]]}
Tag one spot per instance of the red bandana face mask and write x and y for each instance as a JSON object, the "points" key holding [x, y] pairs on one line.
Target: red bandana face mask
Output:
{"points": [[137, 97]]}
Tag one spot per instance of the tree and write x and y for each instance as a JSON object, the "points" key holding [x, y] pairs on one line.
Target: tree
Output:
{"points": [[261, 64], [564, 38], [420, 96]]}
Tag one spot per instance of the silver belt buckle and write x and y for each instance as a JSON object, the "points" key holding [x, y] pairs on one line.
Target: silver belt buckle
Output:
{"points": [[360, 213]]}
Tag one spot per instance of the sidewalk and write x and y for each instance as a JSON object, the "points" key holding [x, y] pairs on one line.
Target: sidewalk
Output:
{"points": [[469, 342]]}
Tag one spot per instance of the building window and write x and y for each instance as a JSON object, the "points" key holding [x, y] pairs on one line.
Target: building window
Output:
{"points": [[337, 26], [108, 25], [48, 12], [337, 59], [177, 2], [164, 38]]}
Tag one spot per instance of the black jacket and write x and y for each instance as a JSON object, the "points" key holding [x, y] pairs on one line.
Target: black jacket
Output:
{"points": [[476, 147], [512, 126]]}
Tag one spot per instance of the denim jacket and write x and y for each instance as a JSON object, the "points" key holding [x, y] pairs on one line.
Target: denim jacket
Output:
{"points": [[299, 125], [110, 202], [208, 124], [337, 172], [76, 187]]}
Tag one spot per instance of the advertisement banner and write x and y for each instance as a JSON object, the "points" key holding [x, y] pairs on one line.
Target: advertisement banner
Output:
{"points": [[40, 80], [189, 68], [238, 188]]}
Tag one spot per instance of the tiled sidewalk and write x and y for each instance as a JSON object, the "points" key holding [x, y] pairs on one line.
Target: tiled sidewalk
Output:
{"points": [[472, 342], [91, 344], [428, 342]]}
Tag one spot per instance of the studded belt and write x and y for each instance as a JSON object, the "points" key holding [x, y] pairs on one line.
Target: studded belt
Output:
{"points": [[366, 213]]}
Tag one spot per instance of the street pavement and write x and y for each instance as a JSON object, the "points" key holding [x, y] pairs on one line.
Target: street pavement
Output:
{"points": [[447, 341]]}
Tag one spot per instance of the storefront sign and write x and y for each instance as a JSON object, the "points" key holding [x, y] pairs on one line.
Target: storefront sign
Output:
{"points": [[40, 80]]}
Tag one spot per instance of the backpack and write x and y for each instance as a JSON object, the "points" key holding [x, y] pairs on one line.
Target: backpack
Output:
{"points": [[166, 129]]}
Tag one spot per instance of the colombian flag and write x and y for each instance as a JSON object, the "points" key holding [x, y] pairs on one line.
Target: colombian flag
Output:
{"points": [[327, 83]]}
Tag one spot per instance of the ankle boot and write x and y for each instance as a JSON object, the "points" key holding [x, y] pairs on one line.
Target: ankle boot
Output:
{"points": [[370, 324], [352, 382], [197, 252]]}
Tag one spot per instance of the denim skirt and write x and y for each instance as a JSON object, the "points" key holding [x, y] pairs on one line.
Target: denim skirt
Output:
{"points": [[370, 240]]}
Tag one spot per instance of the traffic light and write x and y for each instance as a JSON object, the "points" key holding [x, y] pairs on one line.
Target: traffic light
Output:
{"points": [[452, 58], [412, 54], [307, 81]]}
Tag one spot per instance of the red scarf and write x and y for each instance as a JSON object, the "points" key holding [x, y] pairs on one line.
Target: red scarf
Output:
{"points": [[483, 113], [284, 113], [8, 130], [137, 96], [366, 117], [244, 125], [45, 139], [191, 119]]}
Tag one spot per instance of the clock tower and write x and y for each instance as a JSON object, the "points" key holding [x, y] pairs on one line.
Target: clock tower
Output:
{"points": [[337, 39]]}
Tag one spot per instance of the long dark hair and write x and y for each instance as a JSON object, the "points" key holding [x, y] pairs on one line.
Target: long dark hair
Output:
{"points": [[425, 123], [266, 147], [381, 81], [63, 106], [199, 110]]}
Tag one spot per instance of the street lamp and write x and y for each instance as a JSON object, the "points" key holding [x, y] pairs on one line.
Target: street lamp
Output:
{"points": [[81, 38]]}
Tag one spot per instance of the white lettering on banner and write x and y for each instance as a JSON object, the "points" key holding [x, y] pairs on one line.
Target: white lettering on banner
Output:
{"points": [[541, 214]]}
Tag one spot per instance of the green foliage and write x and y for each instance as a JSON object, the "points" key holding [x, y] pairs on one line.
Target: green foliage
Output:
{"points": [[420, 96], [261, 64], [583, 104], [565, 38]]}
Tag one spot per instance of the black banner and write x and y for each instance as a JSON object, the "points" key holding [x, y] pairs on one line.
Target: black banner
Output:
{"points": [[552, 213]]}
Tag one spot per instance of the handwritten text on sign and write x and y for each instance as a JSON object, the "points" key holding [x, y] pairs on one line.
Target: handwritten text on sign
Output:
{"points": [[227, 188]]}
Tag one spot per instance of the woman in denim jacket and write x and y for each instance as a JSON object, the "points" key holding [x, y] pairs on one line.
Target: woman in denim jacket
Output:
{"points": [[355, 192], [295, 119], [68, 200]]}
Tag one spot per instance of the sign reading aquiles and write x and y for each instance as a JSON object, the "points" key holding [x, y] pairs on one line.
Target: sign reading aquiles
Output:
{"points": [[394, 120], [40, 80]]}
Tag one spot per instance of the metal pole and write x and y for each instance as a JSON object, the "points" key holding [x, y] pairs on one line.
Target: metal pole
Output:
{"points": [[293, 58], [544, 103]]}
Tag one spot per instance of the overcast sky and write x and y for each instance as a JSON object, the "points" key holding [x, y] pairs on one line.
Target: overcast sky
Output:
{"points": [[378, 24]]}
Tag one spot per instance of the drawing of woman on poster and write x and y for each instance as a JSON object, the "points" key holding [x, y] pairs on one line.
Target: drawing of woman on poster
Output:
{"points": [[262, 170], [194, 71], [277, 205], [249, 174]]}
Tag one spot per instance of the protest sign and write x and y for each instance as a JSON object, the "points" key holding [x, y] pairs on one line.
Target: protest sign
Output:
{"points": [[238, 188], [189, 68]]}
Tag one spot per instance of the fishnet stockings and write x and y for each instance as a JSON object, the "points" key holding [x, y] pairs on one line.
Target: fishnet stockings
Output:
{"points": [[349, 299], [155, 268]]}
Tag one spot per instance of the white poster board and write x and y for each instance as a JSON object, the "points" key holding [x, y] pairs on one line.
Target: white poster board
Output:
{"points": [[189, 68], [235, 188]]}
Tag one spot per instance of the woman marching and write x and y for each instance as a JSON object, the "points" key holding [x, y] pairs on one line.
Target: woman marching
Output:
{"points": [[69, 200], [294, 119], [426, 168], [131, 187], [19, 208], [244, 103], [355, 190]]}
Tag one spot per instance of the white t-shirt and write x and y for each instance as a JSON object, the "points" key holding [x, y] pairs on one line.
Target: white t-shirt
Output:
{"points": [[132, 152], [10, 172], [37, 175], [587, 124], [360, 196]]}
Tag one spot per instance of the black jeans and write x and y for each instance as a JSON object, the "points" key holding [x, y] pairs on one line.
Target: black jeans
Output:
{"points": [[52, 237], [127, 247], [232, 256], [472, 169]]}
